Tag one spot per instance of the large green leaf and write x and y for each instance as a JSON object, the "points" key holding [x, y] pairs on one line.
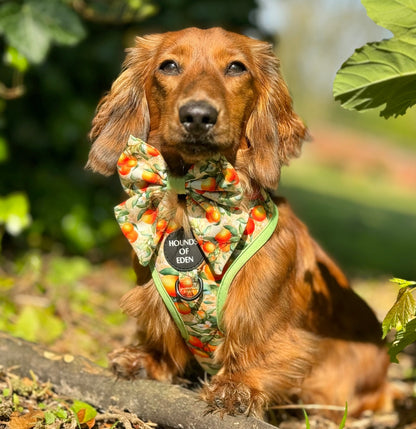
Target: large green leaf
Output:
{"points": [[403, 338], [32, 26], [59, 20], [24, 32], [402, 312], [382, 73]]}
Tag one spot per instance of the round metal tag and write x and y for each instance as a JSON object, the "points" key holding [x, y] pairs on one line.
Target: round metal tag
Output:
{"points": [[188, 289], [182, 252]]}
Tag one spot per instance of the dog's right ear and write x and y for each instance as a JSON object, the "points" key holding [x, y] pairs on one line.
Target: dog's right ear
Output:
{"points": [[124, 110]]}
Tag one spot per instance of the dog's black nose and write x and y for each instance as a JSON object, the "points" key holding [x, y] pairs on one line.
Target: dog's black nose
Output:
{"points": [[198, 117]]}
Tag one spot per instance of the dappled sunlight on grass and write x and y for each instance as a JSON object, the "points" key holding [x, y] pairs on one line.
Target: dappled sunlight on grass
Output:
{"points": [[66, 303]]}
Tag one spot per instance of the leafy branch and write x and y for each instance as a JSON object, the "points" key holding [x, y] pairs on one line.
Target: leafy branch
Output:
{"points": [[402, 318], [382, 73], [31, 27]]}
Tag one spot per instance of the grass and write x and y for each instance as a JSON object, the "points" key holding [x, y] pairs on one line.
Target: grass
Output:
{"points": [[366, 223]]}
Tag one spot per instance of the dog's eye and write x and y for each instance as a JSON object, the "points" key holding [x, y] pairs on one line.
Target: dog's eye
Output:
{"points": [[235, 68], [169, 67]]}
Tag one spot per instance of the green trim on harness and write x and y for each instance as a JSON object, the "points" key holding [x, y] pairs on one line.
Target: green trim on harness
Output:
{"points": [[168, 302], [242, 258]]}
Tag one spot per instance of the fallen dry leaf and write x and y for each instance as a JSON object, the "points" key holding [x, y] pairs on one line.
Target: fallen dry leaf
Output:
{"points": [[25, 421]]}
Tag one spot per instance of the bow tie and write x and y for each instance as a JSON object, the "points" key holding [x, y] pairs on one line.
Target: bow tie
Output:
{"points": [[213, 194]]}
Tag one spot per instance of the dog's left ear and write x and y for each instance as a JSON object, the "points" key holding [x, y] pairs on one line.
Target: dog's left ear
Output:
{"points": [[274, 131], [124, 109]]}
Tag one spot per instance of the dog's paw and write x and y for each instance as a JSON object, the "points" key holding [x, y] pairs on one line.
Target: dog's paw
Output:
{"points": [[230, 397], [128, 362], [139, 362]]}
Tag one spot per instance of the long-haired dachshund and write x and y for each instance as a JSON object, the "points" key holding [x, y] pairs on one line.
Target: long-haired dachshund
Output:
{"points": [[292, 329]]}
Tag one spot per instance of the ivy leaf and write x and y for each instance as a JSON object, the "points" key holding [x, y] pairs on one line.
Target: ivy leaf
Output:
{"points": [[85, 413], [382, 73], [31, 27], [402, 339], [24, 32], [59, 21], [401, 313]]}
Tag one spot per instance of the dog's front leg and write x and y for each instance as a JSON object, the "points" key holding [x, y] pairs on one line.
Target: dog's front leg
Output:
{"points": [[239, 387], [266, 369], [160, 352]]}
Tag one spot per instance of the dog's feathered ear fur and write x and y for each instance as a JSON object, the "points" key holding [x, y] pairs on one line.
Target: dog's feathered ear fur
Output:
{"points": [[124, 110], [273, 130]]}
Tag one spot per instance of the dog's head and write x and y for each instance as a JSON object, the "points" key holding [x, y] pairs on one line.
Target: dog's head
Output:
{"points": [[193, 93]]}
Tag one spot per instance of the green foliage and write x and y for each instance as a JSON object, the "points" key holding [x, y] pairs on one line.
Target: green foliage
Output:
{"points": [[56, 299], [15, 59], [402, 318], [307, 423], [403, 338], [4, 152], [32, 26], [341, 425], [382, 73], [401, 313], [85, 413], [344, 417], [31, 322], [117, 11], [14, 213]]}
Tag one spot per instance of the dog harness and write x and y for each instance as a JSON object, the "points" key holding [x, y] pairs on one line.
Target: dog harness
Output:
{"points": [[192, 270]]}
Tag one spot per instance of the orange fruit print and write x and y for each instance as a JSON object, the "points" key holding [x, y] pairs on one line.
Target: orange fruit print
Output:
{"points": [[125, 164], [258, 213], [129, 232], [150, 177], [161, 225], [249, 227], [149, 216], [208, 247], [223, 236], [187, 288], [230, 176], [196, 342], [212, 214], [169, 282], [182, 308], [209, 184], [199, 353], [152, 151]]}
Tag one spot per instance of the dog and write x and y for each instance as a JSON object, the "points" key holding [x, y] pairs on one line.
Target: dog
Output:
{"points": [[293, 329]]}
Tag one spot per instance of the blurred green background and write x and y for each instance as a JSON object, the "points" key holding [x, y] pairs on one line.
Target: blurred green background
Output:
{"points": [[355, 185]]}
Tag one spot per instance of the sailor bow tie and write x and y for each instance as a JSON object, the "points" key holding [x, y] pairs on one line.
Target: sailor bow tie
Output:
{"points": [[213, 194]]}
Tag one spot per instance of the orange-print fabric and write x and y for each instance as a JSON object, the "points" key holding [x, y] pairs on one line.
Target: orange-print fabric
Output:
{"points": [[222, 229], [213, 195]]}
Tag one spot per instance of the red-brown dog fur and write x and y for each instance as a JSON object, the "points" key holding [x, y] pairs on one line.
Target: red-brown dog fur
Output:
{"points": [[294, 330]]}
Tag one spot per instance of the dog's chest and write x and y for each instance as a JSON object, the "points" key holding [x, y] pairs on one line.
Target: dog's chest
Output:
{"points": [[191, 290]]}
